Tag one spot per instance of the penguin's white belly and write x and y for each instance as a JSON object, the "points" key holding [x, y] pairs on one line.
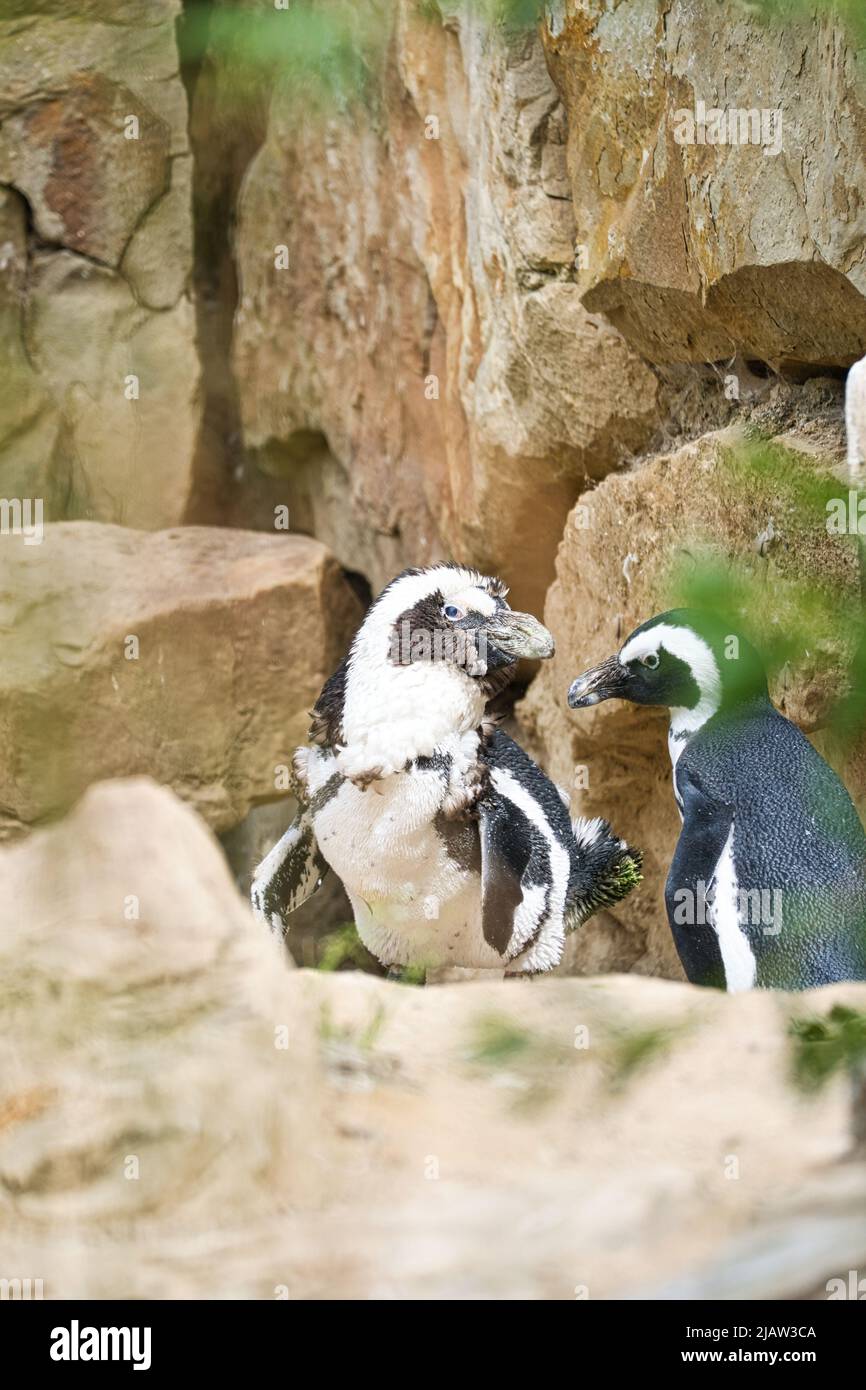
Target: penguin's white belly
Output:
{"points": [[398, 934], [414, 902], [726, 919]]}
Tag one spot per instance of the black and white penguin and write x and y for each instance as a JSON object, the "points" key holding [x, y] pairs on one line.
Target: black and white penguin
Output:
{"points": [[454, 847], [767, 887]]}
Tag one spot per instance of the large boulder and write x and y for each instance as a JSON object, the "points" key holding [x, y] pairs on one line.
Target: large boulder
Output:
{"points": [[100, 407], [718, 169], [461, 412], [191, 655], [183, 1117], [637, 545], [155, 1095]]}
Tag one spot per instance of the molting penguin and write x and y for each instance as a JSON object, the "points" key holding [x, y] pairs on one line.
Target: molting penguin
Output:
{"points": [[454, 848], [767, 886]]}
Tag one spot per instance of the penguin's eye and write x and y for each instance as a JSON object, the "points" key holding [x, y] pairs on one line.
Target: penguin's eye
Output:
{"points": [[453, 612], [651, 660]]}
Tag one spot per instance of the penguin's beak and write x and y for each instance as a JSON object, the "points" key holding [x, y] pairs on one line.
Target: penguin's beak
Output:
{"points": [[609, 681], [520, 635]]}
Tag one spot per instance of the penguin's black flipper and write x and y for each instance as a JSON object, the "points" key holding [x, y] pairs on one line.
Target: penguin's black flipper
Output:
{"points": [[506, 850], [541, 877], [706, 827], [290, 874]]}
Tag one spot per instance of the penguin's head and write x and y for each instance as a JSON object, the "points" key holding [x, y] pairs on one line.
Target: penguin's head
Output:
{"points": [[685, 659], [458, 617], [435, 646]]}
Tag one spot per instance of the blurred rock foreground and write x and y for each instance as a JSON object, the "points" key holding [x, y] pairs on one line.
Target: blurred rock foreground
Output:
{"points": [[469, 298], [182, 1115]]}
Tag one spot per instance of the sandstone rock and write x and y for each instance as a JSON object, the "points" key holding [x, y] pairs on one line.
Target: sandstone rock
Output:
{"points": [[423, 373], [28, 419], [696, 251], [88, 183], [145, 1100], [94, 157], [158, 1139], [525, 1159], [804, 1246], [157, 258], [125, 400], [190, 655], [616, 567]]}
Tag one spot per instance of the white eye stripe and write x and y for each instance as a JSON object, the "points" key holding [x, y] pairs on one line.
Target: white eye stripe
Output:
{"points": [[472, 600], [685, 644]]}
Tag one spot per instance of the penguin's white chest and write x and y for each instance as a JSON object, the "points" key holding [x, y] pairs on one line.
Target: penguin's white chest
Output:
{"points": [[415, 891], [382, 840]]}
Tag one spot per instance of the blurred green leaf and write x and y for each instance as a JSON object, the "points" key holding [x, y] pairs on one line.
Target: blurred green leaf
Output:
{"points": [[827, 1046], [799, 609], [850, 13], [632, 1051], [497, 1041], [325, 52], [343, 949]]}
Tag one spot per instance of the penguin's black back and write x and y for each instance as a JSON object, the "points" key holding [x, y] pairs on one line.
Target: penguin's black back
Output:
{"points": [[795, 831]]}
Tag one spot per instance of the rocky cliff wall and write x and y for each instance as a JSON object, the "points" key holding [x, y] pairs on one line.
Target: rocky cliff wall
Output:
{"points": [[99, 407]]}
